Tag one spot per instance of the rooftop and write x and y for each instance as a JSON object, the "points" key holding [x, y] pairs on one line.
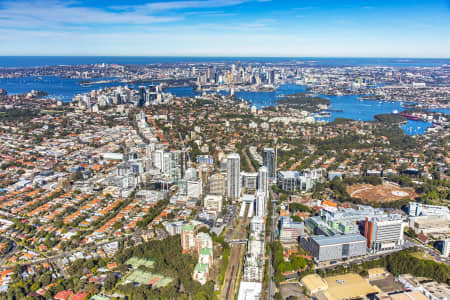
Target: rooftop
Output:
{"points": [[416, 295], [323, 240], [348, 286], [314, 283]]}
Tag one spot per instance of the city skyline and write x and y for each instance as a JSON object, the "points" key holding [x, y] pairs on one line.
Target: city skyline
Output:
{"points": [[226, 28]]}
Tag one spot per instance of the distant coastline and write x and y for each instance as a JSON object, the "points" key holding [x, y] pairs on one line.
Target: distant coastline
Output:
{"points": [[40, 61]]}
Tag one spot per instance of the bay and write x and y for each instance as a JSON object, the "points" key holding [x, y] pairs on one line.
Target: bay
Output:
{"points": [[348, 106], [352, 108]]}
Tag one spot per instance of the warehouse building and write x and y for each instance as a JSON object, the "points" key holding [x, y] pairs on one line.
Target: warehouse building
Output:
{"points": [[328, 248]]}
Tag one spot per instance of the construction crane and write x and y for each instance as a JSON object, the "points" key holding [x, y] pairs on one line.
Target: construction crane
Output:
{"points": [[185, 149]]}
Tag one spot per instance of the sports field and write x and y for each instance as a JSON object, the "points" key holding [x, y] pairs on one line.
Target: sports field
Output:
{"points": [[145, 277], [135, 262]]}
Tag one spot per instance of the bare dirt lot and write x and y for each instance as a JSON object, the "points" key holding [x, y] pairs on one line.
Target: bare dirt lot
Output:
{"points": [[380, 193], [292, 289], [388, 284]]}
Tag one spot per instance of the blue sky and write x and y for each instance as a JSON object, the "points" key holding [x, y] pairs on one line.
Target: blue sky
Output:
{"points": [[394, 28]]}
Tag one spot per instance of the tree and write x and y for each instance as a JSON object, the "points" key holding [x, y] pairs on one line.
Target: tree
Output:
{"points": [[296, 218], [110, 282], [278, 296], [297, 262]]}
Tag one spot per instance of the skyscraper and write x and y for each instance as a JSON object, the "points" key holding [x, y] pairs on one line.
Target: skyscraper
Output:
{"points": [[233, 176], [272, 77], [263, 181], [269, 161]]}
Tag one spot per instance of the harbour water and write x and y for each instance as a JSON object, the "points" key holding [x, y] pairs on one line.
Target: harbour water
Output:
{"points": [[349, 106], [346, 106], [60, 88]]}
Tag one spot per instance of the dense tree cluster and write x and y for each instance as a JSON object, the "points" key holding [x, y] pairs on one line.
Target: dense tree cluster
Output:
{"points": [[303, 101], [295, 207], [390, 118], [169, 261], [402, 262], [6, 246], [17, 114]]}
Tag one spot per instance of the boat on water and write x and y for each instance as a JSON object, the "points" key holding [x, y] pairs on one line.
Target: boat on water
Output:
{"points": [[323, 114]]}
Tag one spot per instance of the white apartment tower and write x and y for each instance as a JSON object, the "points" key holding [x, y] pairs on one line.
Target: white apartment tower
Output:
{"points": [[233, 176], [263, 181]]}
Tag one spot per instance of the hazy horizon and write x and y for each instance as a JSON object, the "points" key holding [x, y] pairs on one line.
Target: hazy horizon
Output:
{"points": [[234, 56]]}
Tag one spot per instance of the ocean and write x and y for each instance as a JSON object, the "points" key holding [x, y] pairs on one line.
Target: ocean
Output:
{"points": [[36, 61]]}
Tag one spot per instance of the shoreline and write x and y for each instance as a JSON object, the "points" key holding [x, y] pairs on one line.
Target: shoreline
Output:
{"points": [[118, 81]]}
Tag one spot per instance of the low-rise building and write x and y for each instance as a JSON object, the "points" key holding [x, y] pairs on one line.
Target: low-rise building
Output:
{"points": [[250, 290], [432, 289], [290, 231], [213, 202]]}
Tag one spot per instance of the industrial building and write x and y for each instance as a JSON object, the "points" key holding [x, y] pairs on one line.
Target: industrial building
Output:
{"points": [[430, 225], [324, 248]]}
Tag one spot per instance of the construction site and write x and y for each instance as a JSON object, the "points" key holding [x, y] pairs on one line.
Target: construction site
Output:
{"points": [[386, 192]]}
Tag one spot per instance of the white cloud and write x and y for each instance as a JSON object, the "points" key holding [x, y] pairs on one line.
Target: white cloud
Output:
{"points": [[32, 14], [190, 4], [63, 15]]}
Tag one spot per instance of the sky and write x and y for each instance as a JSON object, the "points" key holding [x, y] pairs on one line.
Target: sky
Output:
{"points": [[296, 28]]}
